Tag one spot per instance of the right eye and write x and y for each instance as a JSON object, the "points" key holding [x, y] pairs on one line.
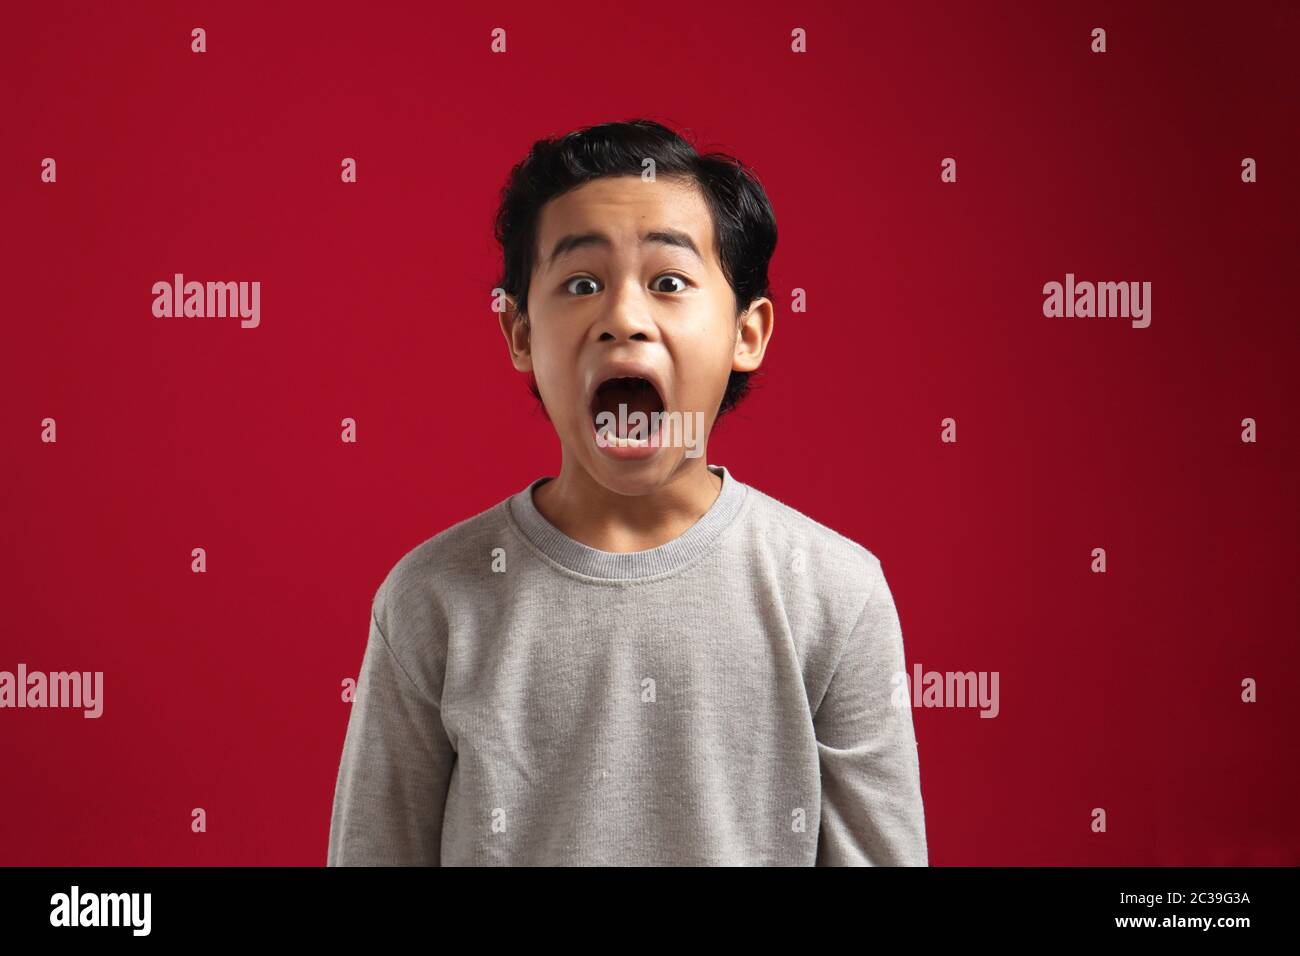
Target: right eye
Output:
{"points": [[587, 279]]}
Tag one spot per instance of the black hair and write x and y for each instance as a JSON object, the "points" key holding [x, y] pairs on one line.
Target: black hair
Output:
{"points": [[744, 225]]}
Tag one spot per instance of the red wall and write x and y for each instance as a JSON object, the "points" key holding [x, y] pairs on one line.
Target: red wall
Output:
{"points": [[1118, 690]]}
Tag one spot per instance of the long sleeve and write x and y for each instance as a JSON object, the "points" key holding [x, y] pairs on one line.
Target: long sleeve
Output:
{"points": [[871, 812], [394, 772]]}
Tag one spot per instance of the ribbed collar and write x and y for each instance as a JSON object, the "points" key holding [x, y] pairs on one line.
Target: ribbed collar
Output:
{"points": [[611, 565]]}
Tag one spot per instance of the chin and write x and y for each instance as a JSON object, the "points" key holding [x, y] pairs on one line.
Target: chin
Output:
{"points": [[634, 476]]}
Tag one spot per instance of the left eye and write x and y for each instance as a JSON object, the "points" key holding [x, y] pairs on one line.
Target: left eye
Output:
{"points": [[674, 279]]}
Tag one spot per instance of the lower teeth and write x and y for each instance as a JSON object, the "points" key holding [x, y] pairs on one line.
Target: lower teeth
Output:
{"points": [[608, 438]]}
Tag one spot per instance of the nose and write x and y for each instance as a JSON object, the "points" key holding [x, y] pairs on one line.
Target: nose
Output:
{"points": [[627, 316]]}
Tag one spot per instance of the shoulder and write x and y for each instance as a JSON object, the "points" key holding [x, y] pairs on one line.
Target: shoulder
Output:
{"points": [[826, 584], [415, 597], [783, 525], [826, 560]]}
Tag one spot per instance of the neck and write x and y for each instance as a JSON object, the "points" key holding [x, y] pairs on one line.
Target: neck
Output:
{"points": [[593, 515]]}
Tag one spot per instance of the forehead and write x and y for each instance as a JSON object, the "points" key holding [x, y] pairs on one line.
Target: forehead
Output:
{"points": [[625, 209]]}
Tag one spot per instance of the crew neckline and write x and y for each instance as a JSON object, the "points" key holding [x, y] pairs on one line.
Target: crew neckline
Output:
{"points": [[626, 565]]}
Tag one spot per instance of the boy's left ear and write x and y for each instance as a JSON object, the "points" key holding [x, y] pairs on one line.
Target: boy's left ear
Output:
{"points": [[752, 336]]}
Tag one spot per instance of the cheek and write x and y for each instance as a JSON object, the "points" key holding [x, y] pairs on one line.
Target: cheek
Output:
{"points": [[555, 363], [704, 364], [553, 358]]}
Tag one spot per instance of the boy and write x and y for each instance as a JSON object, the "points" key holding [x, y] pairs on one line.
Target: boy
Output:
{"points": [[640, 661]]}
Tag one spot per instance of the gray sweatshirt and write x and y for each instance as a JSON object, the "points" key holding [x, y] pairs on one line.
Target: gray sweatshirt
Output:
{"points": [[727, 698]]}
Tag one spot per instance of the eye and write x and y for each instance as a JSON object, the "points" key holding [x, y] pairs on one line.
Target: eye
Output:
{"points": [[675, 278], [587, 279]]}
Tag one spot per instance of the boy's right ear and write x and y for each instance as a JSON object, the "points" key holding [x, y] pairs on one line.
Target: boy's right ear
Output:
{"points": [[518, 338]]}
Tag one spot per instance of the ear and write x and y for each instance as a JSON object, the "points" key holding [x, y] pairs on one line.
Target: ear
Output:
{"points": [[514, 326], [755, 329]]}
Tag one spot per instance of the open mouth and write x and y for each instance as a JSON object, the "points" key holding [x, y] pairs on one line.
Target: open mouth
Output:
{"points": [[626, 411]]}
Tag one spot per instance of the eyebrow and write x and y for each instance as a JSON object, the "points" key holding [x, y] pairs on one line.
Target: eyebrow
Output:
{"points": [[579, 240]]}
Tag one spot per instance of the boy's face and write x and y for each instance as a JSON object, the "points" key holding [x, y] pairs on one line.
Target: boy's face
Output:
{"points": [[626, 285]]}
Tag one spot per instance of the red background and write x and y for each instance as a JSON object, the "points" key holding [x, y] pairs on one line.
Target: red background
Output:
{"points": [[222, 690]]}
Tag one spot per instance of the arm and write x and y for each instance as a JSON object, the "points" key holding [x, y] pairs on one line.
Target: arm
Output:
{"points": [[393, 776], [871, 813]]}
